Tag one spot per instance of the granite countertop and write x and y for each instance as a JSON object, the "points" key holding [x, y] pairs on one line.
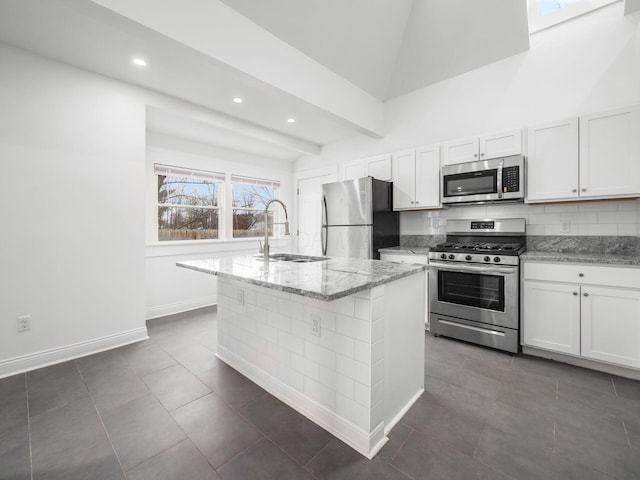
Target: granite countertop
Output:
{"points": [[407, 250], [324, 280], [603, 258]]}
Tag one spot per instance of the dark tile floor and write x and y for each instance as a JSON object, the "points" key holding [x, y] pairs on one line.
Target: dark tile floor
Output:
{"points": [[166, 408]]}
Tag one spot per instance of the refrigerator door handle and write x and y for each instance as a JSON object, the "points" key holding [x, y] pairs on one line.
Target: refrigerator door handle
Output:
{"points": [[324, 231]]}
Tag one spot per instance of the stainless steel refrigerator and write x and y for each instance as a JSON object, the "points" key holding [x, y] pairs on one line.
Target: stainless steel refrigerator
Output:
{"points": [[358, 218]]}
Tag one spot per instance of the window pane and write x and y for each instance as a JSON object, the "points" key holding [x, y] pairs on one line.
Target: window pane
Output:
{"points": [[250, 223], [548, 6], [251, 196], [187, 191], [183, 223]]}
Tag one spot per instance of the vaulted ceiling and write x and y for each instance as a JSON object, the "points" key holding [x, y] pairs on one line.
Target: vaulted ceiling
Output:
{"points": [[331, 64]]}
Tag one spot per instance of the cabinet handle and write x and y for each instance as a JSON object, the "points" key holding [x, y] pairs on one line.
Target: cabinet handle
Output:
{"points": [[475, 154], [417, 202], [574, 190], [482, 154], [581, 274], [584, 189], [585, 294], [575, 294]]}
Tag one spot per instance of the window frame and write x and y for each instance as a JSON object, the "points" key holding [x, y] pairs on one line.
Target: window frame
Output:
{"points": [[538, 23], [224, 208]]}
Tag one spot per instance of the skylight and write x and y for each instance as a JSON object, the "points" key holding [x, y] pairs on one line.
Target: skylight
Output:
{"points": [[546, 13]]}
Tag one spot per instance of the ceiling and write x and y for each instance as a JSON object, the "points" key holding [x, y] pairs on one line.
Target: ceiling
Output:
{"points": [[330, 64]]}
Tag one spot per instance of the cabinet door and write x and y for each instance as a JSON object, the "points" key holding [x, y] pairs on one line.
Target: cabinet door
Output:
{"points": [[352, 170], [552, 161], [552, 316], [379, 167], [610, 153], [404, 180], [460, 151], [611, 325], [501, 144], [428, 177]]}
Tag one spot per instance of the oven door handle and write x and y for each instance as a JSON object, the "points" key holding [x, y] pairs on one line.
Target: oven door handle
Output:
{"points": [[486, 269]]}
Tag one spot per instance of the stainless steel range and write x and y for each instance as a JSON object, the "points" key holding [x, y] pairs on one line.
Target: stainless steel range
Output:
{"points": [[475, 276]]}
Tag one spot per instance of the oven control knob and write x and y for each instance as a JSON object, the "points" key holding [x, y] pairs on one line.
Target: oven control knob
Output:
{"points": [[468, 257], [443, 256], [487, 259], [451, 256], [496, 259]]}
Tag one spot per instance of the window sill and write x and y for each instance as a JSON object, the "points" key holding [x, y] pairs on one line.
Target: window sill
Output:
{"points": [[195, 247]]}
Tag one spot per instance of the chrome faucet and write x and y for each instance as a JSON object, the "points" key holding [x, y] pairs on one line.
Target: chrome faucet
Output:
{"points": [[264, 249]]}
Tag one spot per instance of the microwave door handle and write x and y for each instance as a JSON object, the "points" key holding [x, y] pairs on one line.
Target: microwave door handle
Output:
{"points": [[499, 181]]}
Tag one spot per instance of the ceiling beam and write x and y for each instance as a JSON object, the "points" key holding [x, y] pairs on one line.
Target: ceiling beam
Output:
{"points": [[218, 31]]}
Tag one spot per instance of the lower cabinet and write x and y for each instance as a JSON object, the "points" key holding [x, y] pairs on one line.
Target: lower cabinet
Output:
{"points": [[597, 316], [412, 258]]}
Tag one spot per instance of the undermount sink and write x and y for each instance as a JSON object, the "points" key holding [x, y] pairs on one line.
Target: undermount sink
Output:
{"points": [[291, 257]]}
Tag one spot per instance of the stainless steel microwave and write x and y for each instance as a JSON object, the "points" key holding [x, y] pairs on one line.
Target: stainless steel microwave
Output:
{"points": [[482, 181]]}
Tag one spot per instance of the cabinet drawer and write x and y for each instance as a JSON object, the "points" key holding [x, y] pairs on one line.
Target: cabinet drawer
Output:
{"points": [[404, 258], [583, 274]]}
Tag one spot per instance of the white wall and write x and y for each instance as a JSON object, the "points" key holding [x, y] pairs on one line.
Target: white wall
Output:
{"points": [[171, 289], [76, 249], [72, 207], [586, 65]]}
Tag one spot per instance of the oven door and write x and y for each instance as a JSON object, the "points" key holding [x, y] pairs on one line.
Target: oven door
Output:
{"points": [[482, 293]]}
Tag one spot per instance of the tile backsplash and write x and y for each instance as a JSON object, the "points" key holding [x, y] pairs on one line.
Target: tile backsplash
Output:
{"points": [[612, 218]]}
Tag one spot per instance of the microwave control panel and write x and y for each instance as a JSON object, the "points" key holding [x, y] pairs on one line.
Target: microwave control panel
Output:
{"points": [[511, 179]]}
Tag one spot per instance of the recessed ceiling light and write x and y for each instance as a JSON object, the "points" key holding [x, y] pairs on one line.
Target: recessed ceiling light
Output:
{"points": [[237, 100], [140, 62], [291, 120]]}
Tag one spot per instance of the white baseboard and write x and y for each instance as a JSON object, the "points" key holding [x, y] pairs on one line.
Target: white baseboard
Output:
{"points": [[179, 307], [52, 356], [627, 372], [366, 443], [392, 423]]}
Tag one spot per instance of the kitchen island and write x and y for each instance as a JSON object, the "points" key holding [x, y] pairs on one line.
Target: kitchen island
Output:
{"points": [[339, 340]]}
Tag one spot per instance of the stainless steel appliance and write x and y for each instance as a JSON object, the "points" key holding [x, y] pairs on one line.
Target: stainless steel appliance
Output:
{"points": [[482, 181], [358, 218], [474, 280]]}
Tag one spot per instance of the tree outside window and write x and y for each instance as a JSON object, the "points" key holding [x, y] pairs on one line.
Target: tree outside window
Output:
{"points": [[250, 197], [188, 204]]}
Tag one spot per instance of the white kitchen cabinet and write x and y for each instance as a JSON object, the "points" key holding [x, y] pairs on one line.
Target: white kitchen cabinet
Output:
{"points": [[377, 167], [552, 316], [495, 145], [593, 157], [416, 178], [583, 310], [610, 153], [412, 258], [552, 161], [611, 325]]}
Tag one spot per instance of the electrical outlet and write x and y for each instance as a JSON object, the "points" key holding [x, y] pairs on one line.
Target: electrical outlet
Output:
{"points": [[565, 226], [241, 297], [24, 323], [435, 222], [315, 325]]}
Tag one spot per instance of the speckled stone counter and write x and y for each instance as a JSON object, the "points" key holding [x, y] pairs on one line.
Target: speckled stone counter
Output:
{"points": [[612, 250], [610, 259], [406, 250], [324, 280]]}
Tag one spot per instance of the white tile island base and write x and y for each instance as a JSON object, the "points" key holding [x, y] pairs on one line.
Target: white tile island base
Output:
{"points": [[353, 365]]}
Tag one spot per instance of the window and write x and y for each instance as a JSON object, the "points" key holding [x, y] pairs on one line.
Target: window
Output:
{"points": [[188, 203], [250, 197], [200, 205], [546, 13]]}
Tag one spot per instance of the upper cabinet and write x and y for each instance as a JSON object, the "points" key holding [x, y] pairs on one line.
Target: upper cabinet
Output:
{"points": [[377, 167], [593, 157], [481, 148], [416, 178]]}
